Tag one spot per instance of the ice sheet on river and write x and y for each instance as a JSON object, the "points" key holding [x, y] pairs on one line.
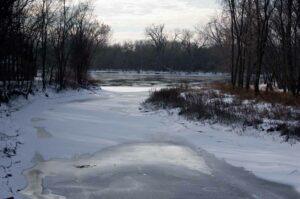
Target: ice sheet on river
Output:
{"points": [[148, 170]]}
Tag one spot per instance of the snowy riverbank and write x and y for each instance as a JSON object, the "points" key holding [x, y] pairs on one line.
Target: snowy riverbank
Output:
{"points": [[74, 123]]}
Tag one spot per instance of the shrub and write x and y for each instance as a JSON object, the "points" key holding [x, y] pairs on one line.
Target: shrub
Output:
{"points": [[202, 104], [167, 98]]}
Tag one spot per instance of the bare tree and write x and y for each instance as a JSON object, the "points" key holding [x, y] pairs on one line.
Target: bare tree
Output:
{"points": [[87, 35], [159, 38]]}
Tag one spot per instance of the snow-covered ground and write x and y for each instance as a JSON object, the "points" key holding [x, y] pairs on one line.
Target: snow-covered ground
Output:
{"points": [[66, 128]]}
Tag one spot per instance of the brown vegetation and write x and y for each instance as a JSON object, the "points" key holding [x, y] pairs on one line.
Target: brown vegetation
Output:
{"points": [[272, 97], [226, 106]]}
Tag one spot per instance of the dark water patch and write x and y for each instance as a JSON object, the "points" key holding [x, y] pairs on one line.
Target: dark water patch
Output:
{"points": [[156, 79]]}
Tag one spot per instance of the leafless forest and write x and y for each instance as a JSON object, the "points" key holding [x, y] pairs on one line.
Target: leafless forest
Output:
{"points": [[51, 37], [58, 42], [263, 38]]}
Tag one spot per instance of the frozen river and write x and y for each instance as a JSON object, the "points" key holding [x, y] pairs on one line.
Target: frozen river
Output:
{"points": [[101, 144]]}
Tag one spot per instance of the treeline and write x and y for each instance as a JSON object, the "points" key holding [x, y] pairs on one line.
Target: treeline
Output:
{"points": [[54, 40], [181, 50], [263, 37]]}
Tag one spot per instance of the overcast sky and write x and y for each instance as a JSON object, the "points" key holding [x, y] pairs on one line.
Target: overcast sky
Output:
{"points": [[128, 18]]}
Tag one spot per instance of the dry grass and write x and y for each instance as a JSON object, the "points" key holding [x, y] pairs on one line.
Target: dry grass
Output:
{"points": [[167, 98], [199, 104], [230, 108], [285, 99]]}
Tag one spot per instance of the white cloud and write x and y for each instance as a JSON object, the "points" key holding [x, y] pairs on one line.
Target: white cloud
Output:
{"points": [[129, 18]]}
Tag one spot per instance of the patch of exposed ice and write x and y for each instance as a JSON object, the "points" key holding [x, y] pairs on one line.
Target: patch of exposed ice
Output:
{"points": [[132, 155]]}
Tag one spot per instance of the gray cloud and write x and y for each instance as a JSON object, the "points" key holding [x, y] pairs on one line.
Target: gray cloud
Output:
{"points": [[202, 3], [128, 18]]}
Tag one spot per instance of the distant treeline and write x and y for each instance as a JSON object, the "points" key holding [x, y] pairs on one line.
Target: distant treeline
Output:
{"points": [[175, 56], [53, 38]]}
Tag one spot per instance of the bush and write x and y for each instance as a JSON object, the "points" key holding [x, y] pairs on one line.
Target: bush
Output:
{"points": [[167, 98], [289, 131]]}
